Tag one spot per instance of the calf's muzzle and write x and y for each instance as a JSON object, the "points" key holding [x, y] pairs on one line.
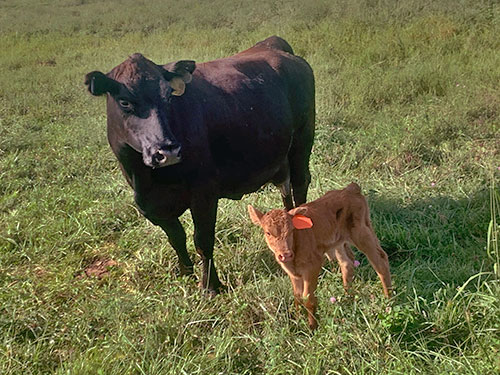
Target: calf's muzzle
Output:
{"points": [[285, 256]]}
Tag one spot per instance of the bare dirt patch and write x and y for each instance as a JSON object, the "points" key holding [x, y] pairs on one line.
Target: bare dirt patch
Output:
{"points": [[99, 268]]}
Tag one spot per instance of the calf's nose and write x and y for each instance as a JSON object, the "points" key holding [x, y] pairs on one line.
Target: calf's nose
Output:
{"points": [[285, 257]]}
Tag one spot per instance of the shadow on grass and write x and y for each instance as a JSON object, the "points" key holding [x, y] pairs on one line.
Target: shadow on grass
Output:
{"points": [[439, 239]]}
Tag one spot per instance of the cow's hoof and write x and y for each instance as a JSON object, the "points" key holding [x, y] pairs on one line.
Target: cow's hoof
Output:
{"points": [[212, 291], [186, 270]]}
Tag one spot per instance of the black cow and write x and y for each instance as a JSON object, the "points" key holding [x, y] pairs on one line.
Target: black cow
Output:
{"points": [[187, 134]]}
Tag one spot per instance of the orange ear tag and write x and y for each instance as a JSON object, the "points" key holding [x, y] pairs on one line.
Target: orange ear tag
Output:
{"points": [[301, 222]]}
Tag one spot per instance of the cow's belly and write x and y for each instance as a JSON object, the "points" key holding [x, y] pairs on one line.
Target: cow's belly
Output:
{"points": [[234, 188], [245, 172]]}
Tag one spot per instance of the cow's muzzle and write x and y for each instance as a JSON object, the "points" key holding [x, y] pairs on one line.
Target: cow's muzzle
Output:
{"points": [[167, 155]]}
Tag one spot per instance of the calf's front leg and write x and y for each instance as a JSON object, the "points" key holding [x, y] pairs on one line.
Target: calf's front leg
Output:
{"points": [[298, 289], [311, 302]]}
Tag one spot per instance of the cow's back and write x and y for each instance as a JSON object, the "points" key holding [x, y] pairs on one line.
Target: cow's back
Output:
{"points": [[250, 105]]}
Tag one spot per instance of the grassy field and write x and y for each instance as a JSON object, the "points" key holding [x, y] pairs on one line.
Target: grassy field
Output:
{"points": [[408, 105]]}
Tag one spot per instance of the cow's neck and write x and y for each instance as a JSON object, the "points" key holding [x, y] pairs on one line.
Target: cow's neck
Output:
{"points": [[138, 175]]}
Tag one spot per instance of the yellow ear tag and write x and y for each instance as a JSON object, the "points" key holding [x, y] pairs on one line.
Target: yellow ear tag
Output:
{"points": [[301, 222], [178, 86]]}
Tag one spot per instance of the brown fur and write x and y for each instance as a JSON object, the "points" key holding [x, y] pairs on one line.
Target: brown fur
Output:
{"points": [[339, 218]]}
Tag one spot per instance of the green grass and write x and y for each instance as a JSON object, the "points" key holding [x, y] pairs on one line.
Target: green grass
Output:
{"points": [[407, 105]]}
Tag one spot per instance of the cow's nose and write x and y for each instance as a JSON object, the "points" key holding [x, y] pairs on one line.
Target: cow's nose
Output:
{"points": [[158, 157], [167, 155]]}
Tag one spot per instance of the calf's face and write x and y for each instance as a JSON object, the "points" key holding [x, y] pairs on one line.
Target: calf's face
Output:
{"points": [[278, 226]]}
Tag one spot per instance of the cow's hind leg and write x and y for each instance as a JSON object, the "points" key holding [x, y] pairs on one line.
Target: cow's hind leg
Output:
{"points": [[177, 238], [282, 181], [298, 158]]}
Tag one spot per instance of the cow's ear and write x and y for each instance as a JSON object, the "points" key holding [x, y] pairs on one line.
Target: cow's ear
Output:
{"points": [[98, 84], [182, 68], [178, 74], [255, 215], [178, 86]]}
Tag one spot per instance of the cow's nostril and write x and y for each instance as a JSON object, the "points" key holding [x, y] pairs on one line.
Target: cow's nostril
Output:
{"points": [[158, 156]]}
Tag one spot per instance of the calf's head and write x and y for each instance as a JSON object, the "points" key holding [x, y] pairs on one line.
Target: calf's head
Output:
{"points": [[139, 96], [278, 226]]}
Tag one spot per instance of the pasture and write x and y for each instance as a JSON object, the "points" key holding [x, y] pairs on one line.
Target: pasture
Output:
{"points": [[408, 106]]}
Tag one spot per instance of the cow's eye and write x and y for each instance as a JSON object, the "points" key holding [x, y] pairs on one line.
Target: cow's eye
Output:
{"points": [[125, 104], [268, 234]]}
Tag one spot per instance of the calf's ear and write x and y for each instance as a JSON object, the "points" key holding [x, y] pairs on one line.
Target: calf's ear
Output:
{"points": [[301, 222], [300, 219], [98, 84], [255, 215]]}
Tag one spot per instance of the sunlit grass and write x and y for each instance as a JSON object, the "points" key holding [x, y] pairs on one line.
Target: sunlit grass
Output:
{"points": [[407, 106]]}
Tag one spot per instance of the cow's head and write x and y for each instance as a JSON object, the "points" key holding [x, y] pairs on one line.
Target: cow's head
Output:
{"points": [[139, 93], [278, 226]]}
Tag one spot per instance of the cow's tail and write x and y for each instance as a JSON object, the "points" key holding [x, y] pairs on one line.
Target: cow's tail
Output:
{"points": [[275, 42]]}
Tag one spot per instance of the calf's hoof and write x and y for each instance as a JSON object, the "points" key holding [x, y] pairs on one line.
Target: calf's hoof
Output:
{"points": [[313, 326]]}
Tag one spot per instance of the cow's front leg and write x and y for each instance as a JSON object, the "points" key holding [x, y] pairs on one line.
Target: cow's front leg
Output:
{"points": [[177, 238], [204, 213]]}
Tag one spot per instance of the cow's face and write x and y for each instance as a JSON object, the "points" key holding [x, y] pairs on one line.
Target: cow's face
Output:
{"points": [[139, 98], [278, 232]]}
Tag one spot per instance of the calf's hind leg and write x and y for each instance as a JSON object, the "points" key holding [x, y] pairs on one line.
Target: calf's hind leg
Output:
{"points": [[366, 241], [345, 258]]}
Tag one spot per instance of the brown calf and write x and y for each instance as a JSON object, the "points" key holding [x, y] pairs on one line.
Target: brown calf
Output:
{"points": [[301, 237]]}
